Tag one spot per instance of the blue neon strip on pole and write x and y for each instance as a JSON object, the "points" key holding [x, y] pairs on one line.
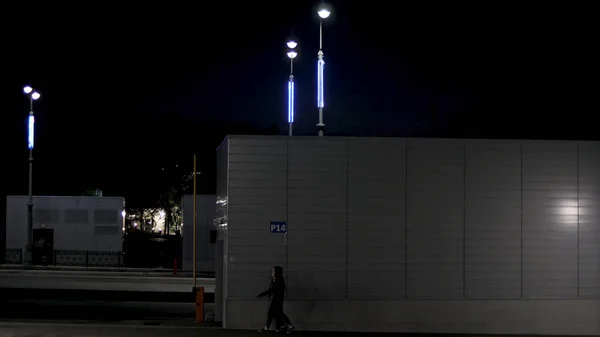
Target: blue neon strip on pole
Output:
{"points": [[290, 101], [320, 80], [30, 130]]}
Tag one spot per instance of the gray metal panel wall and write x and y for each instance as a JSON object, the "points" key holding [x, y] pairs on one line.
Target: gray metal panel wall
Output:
{"points": [[317, 209], [493, 220], [376, 219], [589, 220], [257, 194], [435, 219], [550, 220]]}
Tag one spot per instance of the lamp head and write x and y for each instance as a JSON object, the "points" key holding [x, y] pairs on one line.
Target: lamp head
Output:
{"points": [[292, 44], [324, 13]]}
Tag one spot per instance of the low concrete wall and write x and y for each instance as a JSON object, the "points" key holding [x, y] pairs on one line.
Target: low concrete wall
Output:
{"points": [[535, 317]]}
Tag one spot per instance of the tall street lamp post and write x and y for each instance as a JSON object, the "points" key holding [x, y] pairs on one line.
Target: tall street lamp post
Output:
{"points": [[32, 95]]}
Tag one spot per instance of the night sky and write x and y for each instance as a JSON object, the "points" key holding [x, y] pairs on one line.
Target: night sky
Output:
{"points": [[125, 95]]}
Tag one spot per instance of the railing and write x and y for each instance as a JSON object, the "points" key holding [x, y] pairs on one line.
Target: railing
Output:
{"points": [[86, 258], [72, 258], [13, 256]]}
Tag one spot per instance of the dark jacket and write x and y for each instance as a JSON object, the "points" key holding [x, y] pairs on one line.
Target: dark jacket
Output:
{"points": [[276, 289]]}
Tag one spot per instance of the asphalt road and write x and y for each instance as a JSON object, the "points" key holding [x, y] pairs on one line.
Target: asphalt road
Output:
{"points": [[99, 297], [96, 286], [86, 311]]}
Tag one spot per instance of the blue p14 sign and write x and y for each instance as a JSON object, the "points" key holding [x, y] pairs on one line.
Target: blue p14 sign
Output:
{"points": [[278, 227]]}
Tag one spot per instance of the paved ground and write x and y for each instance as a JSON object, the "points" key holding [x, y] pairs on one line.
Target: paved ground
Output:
{"points": [[86, 297], [98, 312], [74, 330]]}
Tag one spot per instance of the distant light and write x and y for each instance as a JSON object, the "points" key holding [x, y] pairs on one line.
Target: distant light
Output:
{"points": [[123, 213], [323, 13], [292, 54], [292, 44], [35, 95], [30, 131], [27, 89]]}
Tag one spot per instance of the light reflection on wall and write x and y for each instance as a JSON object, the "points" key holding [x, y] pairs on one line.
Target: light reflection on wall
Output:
{"points": [[568, 211], [221, 218]]}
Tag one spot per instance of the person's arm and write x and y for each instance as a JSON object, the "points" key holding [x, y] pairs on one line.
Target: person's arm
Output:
{"points": [[267, 292]]}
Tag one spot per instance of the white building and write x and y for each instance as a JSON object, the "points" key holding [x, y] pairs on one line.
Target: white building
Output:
{"points": [[80, 223], [205, 216], [412, 235]]}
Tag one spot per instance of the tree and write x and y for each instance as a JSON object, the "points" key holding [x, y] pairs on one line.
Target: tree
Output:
{"points": [[145, 217], [176, 184]]}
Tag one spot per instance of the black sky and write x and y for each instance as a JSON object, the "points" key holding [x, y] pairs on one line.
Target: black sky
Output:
{"points": [[129, 93]]}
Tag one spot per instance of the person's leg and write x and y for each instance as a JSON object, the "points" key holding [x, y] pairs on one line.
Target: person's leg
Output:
{"points": [[286, 321], [277, 314], [270, 316]]}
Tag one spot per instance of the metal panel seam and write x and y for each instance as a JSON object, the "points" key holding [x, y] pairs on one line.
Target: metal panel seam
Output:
{"points": [[405, 219], [347, 195], [464, 238], [521, 150], [578, 210]]}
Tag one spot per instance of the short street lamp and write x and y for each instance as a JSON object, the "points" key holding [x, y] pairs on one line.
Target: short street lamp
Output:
{"points": [[292, 44], [323, 14]]}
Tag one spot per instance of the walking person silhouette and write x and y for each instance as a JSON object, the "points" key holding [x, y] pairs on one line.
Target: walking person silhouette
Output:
{"points": [[276, 292]]}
